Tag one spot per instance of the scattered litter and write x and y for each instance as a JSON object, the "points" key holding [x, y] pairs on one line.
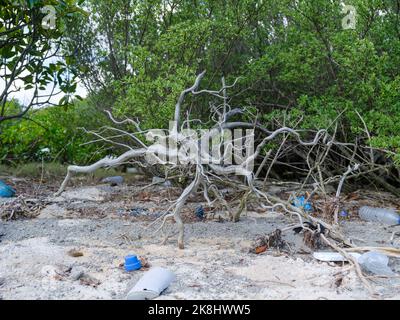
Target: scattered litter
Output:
{"points": [[132, 263], [199, 212], [6, 191], [376, 263], [75, 253], [328, 256], [300, 202], [113, 181], [386, 216], [152, 284]]}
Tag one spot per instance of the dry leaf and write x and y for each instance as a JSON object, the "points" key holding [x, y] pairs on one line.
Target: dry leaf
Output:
{"points": [[260, 249], [144, 196]]}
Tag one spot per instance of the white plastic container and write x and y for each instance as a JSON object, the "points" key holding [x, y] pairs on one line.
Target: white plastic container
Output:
{"points": [[150, 286], [329, 256]]}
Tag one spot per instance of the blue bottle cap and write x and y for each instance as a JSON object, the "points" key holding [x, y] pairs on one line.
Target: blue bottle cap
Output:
{"points": [[132, 263], [343, 213]]}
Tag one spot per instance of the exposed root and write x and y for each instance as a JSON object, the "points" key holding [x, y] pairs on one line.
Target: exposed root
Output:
{"points": [[208, 166], [107, 162]]}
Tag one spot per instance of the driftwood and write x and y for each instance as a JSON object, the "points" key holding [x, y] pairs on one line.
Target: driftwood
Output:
{"points": [[206, 164], [207, 169]]}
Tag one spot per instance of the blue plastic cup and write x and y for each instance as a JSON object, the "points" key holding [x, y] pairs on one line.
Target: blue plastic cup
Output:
{"points": [[6, 191], [132, 263]]}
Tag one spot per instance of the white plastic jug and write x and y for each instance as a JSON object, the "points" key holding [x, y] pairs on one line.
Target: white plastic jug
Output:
{"points": [[150, 286]]}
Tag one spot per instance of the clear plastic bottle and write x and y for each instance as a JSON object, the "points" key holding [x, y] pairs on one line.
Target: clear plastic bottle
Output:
{"points": [[387, 216]]}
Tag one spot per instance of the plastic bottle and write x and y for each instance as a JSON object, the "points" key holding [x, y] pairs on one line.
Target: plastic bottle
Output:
{"points": [[152, 284], [387, 216]]}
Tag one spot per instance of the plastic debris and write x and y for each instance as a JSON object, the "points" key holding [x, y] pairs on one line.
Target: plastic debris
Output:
{"points": [[386, 216], [376, 263], [199, 212], [6, 191], [329, 256], [344, 214], [113, 181], [132, 263], [300, 202], [152, 284]]}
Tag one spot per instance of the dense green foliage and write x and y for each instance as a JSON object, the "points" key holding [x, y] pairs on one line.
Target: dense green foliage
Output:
{"points": [[294, 59], [51, 134], [292, 56], [30, 37]]}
